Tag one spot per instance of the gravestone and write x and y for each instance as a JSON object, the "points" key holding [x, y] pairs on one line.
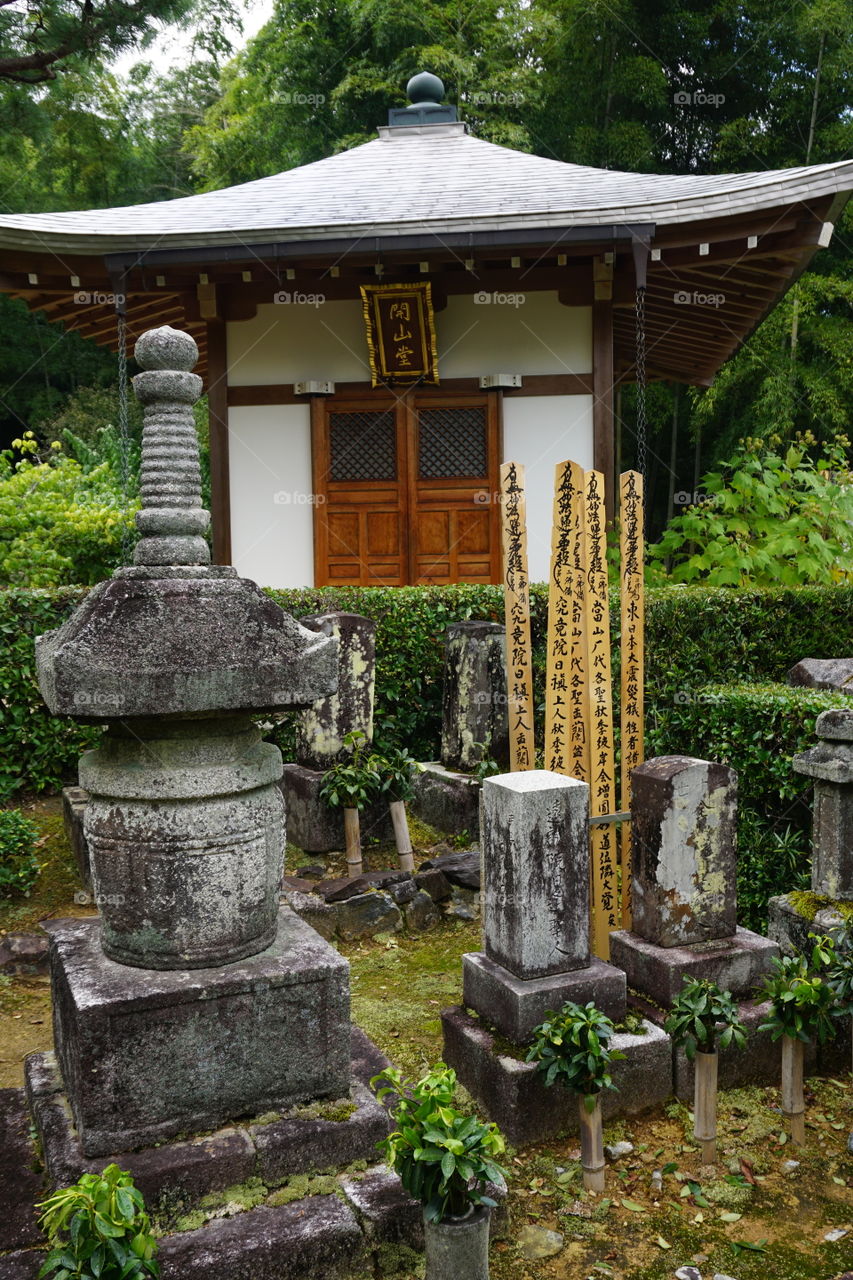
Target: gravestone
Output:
{"points": [[830, 763], [835, 674], [474, 701], [684, 899], [536, 956], [195, 999], [322, 727]]}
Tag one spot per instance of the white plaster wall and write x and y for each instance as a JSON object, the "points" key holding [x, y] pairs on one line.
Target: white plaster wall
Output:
{"points": [[540, 431], [293, 341], [272, 527]]}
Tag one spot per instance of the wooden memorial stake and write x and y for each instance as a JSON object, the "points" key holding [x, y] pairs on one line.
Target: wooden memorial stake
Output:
{"points": [[705, 1105], [592, 1143], [579, 681], [604, 905], [793, 1102], [558, 673], [632, 554], [519, 667]]}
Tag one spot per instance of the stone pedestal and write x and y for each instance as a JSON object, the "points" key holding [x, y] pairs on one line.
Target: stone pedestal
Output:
{"points": [[474, 703], [830, 763], [446, 800], [147, 1054], [322, 727], [736, 964]]}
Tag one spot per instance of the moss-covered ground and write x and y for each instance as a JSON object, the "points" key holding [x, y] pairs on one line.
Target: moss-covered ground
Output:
{"points": [[750, 1218]]}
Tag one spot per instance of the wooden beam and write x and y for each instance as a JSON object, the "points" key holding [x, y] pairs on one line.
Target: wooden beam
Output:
{"points": [[220, 478], [602, 403], [546, 384]]}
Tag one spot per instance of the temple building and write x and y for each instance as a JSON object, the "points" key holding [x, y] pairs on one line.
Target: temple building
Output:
{"points": [[356, 431]]}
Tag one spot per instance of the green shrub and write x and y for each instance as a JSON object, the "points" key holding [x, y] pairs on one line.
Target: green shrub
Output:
{"points": [[573, 1046], [108, 1231], [18, 863]]}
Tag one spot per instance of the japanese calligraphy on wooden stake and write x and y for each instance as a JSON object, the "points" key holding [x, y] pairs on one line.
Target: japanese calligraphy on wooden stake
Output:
{"points": [[565, 701], [579, 682], [519, 668], [633, 654], [605, 901], [400, 328]]}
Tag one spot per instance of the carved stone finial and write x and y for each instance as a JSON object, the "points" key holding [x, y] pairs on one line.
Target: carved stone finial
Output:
{"points": [[172, 520]]}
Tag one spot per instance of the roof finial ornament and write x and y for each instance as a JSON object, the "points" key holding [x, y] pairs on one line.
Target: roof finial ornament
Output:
{"points": [[425, 92], [425, 87]]}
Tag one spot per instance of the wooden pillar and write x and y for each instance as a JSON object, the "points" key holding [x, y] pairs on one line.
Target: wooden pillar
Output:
{"points": [[220, 478], [602, 382]]}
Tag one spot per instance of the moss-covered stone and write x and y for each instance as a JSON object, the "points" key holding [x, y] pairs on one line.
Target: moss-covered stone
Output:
{"points": [[808, 904], [302, 1185], [335, 1109]]}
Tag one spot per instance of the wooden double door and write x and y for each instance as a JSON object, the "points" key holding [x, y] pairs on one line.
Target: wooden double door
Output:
{"points": [[406, 489]]}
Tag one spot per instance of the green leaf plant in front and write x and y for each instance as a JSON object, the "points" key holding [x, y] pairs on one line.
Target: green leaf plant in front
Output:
{"points": [[444, 1159], [702, 1017], [803, 1009], [573, 1046], [835, 954], [98, 1230], [351, 786]]}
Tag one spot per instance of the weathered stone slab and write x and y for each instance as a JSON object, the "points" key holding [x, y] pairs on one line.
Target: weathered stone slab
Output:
{"points": [[790, 928], [312, 825], [311, 908], [461, 868], [737, 964], [474, 703], [835, 674], [20, 1183], [74, 801], [367, 1060], [145, 1055], [24, 1264], [366, 914], [421, 913], [446, 800], [513, 1094], [24, 953], [516, 1005], [535, 896], [434, 882], [313, 1239], [684, 827], [322, 727], [387, 1213], [830, 763], [302, 1144]]}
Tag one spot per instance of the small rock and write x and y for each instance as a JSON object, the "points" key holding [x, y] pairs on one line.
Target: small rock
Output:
{"points": [[435, 883], [688, 1273], [788, 1166], [578, 1209], [421, 913], [313, 871], [539, 1242], [837, 1233], [656, 1181], [366, 914], [850, 1143], [618, 1149], [462, 869], [719, 1276], [464, 904]]}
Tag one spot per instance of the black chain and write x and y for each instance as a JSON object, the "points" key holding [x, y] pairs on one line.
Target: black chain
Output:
{"points": [[641, 382], [124, 433]]}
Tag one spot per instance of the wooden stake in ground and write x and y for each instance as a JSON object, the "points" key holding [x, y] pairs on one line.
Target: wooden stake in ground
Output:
{"points": [[632, 554], [352, 835], [519, 666], [558, 674], [705, 1105], [604, 904], [592, 1143], [793, 1102], [579, 660], [402, 836]]}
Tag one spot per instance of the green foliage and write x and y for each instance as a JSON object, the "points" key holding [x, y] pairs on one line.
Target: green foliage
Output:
{"points": [[108, 1231], [700, 1012], [18, 863], [573, 1046], [354, 782], [396, 767], [768, 518], [835, 956], [803, 1004], [443, 1158]]}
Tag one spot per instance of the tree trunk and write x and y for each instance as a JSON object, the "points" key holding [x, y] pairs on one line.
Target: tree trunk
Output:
{"points": [[592, 1145], [705, 1106], [352, 833], [401, 835], [793, 1104]]}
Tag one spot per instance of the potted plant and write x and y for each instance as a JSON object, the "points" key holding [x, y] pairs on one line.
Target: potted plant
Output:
{"points": [[573, 1046], [396, 767], [98, 1230], [803, 1008], [701, 1013], [445, 1160], [351, 785]]}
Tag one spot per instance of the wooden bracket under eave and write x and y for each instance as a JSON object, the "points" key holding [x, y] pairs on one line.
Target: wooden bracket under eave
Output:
{"points": [[602, 276], [208, 301]]}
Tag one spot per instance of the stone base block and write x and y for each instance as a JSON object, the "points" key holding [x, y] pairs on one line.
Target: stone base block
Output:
{"points": [[790, 927], [516, 1005], [513, 1094], [148, 1054], [737, 964], [312, 825], [304, 1141], [313, 1239], [447, 801]]}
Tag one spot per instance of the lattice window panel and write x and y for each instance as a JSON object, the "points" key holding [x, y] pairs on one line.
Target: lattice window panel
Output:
{"points": [[452, 443], [363, 446]]}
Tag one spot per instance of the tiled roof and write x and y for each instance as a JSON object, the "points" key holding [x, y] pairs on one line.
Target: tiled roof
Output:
{"points": [[433, 178]]}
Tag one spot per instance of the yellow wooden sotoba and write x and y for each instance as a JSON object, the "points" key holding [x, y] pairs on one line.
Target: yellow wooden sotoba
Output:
{"points": [[519, 664], [632, 551]]}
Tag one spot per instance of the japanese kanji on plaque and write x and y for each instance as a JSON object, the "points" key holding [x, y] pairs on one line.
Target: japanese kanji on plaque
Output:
{"points": [[400, 328]]}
